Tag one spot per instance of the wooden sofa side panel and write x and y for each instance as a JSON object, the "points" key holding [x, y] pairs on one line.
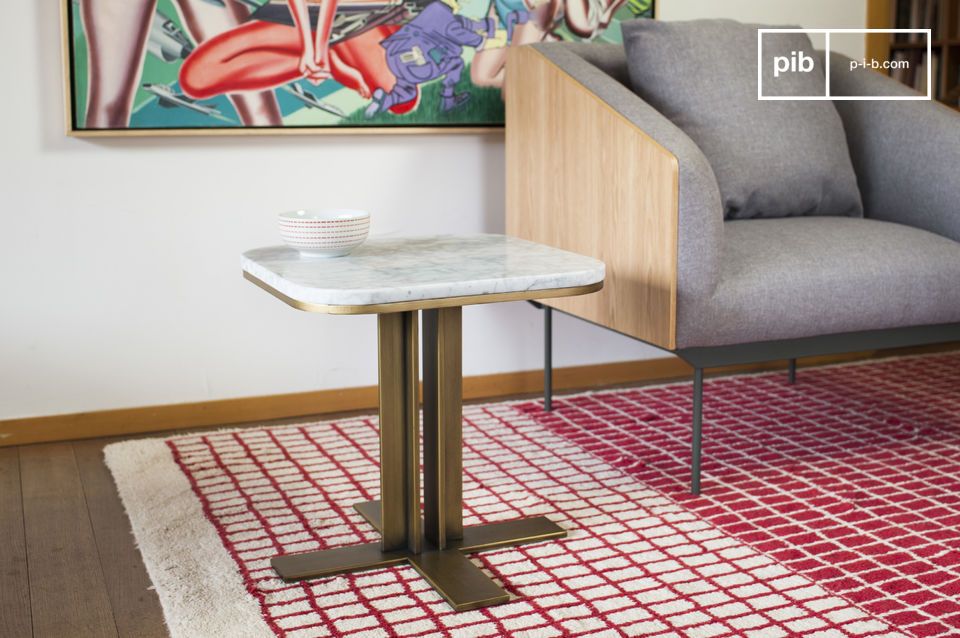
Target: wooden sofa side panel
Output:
{"points": [[582, 177]]}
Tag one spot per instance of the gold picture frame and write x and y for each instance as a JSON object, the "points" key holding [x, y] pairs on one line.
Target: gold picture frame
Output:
{"points": [[147, 96]]}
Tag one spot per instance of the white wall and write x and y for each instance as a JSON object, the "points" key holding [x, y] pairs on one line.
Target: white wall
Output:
{"points": [[121, 284], [810, 14]]}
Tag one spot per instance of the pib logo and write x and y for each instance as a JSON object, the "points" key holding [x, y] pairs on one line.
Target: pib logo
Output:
{"points": [[796, 62]]}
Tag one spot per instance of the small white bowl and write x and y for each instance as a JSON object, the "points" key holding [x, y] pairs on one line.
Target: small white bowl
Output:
{"points": [[333, 232]]}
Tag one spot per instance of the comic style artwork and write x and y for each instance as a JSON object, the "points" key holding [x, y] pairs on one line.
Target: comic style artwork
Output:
{"points": [[238, 64]]}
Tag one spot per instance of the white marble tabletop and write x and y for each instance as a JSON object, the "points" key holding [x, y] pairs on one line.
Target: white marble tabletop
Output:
{"points": [[401, 270]]}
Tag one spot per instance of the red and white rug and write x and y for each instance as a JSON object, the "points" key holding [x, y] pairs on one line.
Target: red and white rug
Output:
{"points": [[830, 508]]}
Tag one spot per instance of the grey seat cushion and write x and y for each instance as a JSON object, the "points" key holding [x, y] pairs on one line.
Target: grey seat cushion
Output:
{"points": [[801, 277], [771, 158]]}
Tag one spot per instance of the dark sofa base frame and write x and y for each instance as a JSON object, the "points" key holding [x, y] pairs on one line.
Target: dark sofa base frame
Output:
{"points": [[790, 349]]}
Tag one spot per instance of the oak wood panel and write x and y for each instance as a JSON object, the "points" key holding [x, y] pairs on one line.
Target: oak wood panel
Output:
{"points": [[136, 607], [582, 177], [67, 591], [14, 583]]}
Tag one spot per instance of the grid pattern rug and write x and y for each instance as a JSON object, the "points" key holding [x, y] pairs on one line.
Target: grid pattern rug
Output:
{"points": [[830, 508], [850, 478]]}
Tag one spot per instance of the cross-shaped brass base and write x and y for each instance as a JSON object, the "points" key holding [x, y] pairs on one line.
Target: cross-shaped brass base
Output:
{"points": [[433, 544], [461, 583]]}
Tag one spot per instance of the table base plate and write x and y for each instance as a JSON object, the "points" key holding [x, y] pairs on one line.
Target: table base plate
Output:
{"points": [[431, 539], [461, 583]]}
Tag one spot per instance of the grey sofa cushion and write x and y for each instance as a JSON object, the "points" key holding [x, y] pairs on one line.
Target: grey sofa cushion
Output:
{"points": [[771, 158], [891, 145], [801, 277]]}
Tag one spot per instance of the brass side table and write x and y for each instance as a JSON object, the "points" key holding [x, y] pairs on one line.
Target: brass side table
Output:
{"points": [[396, 278]]}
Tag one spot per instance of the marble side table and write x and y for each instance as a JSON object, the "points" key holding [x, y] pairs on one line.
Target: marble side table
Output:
{"points": [[396, 278]]}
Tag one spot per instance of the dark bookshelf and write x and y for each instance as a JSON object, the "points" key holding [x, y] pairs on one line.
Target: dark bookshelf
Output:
{"points": [[942, 17]]}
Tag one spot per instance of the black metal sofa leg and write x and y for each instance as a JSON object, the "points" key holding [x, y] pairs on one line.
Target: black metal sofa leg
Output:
{"points": [[792, 371], [547, 358], [697, 444]]}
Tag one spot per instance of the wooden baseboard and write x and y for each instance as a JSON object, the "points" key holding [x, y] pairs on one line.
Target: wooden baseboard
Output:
{"points": [[129, 421]]}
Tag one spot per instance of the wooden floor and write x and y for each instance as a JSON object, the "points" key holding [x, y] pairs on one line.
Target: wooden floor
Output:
{"points": [[69, 567]]}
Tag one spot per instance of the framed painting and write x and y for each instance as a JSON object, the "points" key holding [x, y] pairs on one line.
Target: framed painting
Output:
{"points": [[161, 67]]}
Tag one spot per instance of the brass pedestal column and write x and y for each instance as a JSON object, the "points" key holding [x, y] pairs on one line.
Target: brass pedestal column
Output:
{"points": [[434, 544]]}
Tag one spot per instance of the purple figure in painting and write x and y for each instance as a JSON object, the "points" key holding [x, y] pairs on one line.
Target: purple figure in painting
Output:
{"points": [[515, 18], [429, 47]]}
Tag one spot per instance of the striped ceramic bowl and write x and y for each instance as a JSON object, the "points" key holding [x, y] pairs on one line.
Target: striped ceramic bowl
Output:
{"points": [[324, 233]]}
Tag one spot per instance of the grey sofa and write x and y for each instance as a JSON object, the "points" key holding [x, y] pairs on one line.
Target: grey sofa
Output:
{"points": [[719, 293]]}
